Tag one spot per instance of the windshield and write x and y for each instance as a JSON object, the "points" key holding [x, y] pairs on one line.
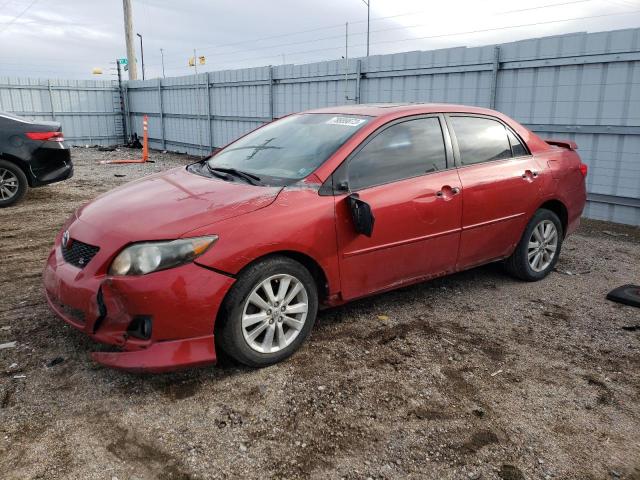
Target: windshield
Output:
{"points": [[291, 148]]}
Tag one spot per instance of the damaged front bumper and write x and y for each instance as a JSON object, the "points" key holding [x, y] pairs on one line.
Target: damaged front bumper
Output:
{"points": [[178, 307]]}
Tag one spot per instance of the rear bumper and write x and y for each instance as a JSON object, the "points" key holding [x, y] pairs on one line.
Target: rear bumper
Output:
{"points": [[57, 175], [50, 165], [182, 303], [575, 203]]}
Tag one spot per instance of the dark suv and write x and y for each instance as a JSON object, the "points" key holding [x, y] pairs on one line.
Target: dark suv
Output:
{"points": [[32, 154]]}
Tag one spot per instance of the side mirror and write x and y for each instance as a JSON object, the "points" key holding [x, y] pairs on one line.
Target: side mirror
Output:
{"points": [[361, 215]]}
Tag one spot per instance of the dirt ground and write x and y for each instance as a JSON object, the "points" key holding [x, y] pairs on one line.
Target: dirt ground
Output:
{"points": [[474, 376]]}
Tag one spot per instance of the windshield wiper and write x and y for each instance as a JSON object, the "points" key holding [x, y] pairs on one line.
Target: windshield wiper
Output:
{"points": [[217, 174], [249, 177]]}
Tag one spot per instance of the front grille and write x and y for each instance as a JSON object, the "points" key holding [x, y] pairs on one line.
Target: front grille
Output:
{"points": [[79, 253]]}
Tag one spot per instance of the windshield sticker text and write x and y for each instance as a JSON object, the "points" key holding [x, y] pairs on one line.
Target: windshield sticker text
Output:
{"points": [[346, 121]]}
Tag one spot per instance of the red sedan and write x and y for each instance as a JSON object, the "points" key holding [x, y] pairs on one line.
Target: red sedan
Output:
{"points": [[239, 251]]}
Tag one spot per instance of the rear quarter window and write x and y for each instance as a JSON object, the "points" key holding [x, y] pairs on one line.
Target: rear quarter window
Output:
{"points": [[517, 148]]}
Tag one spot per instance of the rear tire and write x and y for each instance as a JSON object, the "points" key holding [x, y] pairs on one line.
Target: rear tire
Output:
{"points": [[268, 313], [539, 248], [13, 184]]}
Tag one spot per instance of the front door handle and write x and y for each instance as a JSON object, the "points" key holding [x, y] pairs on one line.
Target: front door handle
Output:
{"points": [[447, 192], [529, 174]]}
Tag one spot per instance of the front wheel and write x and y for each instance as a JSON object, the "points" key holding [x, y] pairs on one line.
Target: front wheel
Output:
{"points": [[269, 312], [538, 250]]}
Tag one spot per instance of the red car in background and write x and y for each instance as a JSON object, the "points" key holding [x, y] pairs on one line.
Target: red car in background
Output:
{"points": [[237, 252]]}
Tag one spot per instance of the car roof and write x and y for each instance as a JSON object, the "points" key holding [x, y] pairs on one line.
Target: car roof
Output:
{"points": [[382, 109]]}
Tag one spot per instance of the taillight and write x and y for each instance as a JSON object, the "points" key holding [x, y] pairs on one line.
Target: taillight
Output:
{"points": [[584, 168], [46, 136]]}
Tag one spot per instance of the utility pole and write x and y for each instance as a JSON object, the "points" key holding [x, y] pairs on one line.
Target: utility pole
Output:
{"points": [[128, 35], [141, 54], [195, 61], [368, 4], [368, 23], [162, 59]]}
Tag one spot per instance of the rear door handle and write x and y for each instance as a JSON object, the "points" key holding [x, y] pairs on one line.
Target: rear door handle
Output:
{"points": [[529, 174]]}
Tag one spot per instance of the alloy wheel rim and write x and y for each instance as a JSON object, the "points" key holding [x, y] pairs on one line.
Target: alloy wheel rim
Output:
{"points": [[543, 245], [274, 313], [8, 184]]}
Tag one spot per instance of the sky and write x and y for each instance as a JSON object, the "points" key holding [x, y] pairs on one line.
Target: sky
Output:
{"points": [[69, 38]]}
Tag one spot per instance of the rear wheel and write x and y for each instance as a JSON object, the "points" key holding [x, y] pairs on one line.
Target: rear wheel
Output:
{"points": [[13, 183], [538, 250], [269, 312]]}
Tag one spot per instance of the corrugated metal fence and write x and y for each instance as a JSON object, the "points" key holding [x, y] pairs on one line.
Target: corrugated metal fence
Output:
{"points": [[89, 110], [580, 86]]}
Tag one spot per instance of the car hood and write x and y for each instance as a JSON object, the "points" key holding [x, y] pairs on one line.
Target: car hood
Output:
{"points": [[171, 204]]}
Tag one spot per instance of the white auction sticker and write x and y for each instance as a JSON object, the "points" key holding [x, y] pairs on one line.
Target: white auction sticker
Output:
{"points": [[346, 121]]}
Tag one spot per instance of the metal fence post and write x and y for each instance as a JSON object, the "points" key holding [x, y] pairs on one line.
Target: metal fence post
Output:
{"points": [[127, 111], [199, 115], [209, 123], [494, 76], [53, 111], [358, 77], [164, 141], [271, 92]]}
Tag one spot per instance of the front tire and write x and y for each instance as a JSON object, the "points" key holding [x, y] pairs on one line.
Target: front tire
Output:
{"points": [[13, 184], [539, 248], [268, 313]]}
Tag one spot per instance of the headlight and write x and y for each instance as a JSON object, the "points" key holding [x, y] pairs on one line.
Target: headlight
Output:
{"points": [[142, 258]]}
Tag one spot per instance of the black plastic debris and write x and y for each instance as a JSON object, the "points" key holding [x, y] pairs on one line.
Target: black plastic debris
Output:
{"points": [[134, 142], [55, 362], [626, 294]]}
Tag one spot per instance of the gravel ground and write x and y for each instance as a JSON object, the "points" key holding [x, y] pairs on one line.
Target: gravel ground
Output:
{"points": [[471, 376]]}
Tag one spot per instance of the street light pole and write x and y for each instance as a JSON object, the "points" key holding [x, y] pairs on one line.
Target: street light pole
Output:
{"points": [[162, 58], [368, 4], [141, 54]]}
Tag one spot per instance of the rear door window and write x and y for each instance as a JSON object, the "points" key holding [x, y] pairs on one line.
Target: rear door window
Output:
{"points": [[405, 150], [480, 139]]}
